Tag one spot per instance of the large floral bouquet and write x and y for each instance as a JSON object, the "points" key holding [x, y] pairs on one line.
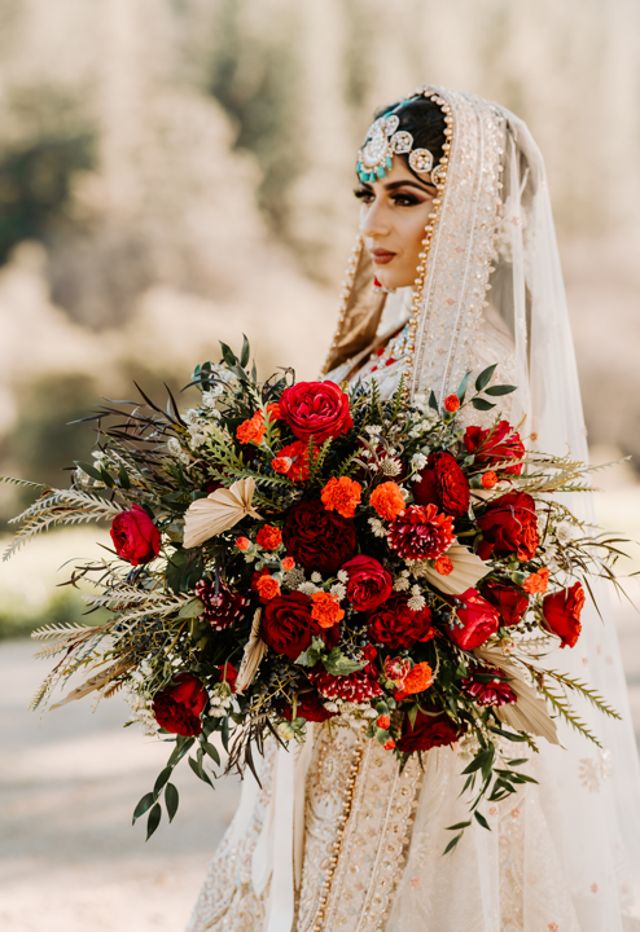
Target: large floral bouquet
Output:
{"points": [[291, 552]]}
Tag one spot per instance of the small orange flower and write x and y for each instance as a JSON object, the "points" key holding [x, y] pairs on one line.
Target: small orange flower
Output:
{"points": [[252, 430], [387, 499], [326, 609], [383, 722], [268, 588], [389, 745], [443, 565], [243, 543], [273, 411], [451, 403], [341, 495], [269, 536], [417, 679], [489, 479], [537, 582], [281, 464], [287, 564]]}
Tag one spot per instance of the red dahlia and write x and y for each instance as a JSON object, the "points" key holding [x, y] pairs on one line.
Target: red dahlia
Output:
{"points": [[421, 533], [488, 686], [355, 687], [223, 606]]}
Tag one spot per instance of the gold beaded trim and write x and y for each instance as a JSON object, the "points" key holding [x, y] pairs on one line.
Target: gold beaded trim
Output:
{"points": [[354, 769]]}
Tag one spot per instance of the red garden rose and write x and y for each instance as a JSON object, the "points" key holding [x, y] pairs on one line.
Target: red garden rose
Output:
{"points": [[495, 445], [318, 539], [509, 525], [428, 731], [369, 583], [510, 601], [561, 612], [394, 624], [444, 484], [135, 536], [479, 620], [178, 707], [309, 707], [287, 625], [317, 410]]}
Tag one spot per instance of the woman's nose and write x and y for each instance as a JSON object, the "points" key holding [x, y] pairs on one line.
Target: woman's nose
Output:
{"points": [[374, 221]]}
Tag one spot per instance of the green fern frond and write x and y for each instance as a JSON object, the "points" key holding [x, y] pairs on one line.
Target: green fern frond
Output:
{"points": [[590, 694], [562, 707]]}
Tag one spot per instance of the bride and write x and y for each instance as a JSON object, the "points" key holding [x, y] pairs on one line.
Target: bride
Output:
{"points": [[455, 268]]}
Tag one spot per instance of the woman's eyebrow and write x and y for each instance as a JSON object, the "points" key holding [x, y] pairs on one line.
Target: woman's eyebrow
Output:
{"points": [[393, 185]]}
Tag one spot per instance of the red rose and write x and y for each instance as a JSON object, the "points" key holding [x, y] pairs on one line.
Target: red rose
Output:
{"points": [[444, 484], [178, 707], [495, 445], [316, 410], [135, 536], [479, 620], [318, 539], [287, 625], [309, 707], [510, 601], [428, 731], [394, 624], [369, 583], [509, 525], [561, 612]]}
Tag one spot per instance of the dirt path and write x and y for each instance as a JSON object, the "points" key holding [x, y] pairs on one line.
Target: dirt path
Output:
{"points": [[69, 859]]}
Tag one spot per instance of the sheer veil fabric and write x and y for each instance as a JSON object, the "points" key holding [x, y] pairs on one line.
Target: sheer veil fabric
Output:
{"points": [[565, 854]]}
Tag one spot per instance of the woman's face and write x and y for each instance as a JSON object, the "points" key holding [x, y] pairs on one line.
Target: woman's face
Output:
{"points": [[394, 213]]}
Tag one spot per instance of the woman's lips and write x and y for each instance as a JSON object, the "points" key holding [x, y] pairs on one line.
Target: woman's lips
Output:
{"points": [[382, 256]]}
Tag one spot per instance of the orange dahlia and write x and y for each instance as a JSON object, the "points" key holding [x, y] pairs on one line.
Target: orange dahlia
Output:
{"points": [[342, 495], [537, 582], [269, 536], [252, 430], [387, 499], [326, 609]]}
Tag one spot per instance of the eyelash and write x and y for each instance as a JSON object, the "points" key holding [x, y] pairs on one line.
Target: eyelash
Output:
{"points": [[409, 200]]}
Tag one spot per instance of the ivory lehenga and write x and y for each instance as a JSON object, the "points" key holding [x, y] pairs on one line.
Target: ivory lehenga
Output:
{"points": [[336, 839]]}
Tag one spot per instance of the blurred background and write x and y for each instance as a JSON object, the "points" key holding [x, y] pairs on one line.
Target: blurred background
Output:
{"points": [[175, 172]]}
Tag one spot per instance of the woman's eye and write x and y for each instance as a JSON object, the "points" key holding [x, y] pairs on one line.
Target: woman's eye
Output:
{"points": [[405, 200], [363, 195]]}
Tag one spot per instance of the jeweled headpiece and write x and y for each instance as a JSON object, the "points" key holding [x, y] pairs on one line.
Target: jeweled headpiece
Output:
{"points": [[382, 142]]}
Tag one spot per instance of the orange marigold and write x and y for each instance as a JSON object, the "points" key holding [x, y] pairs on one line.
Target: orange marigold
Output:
{"points": [[252, 430], [341, 495], [389, 745], [417, 679], [287, 564], [383, 721], [451, 403], [273, 411], [537, 582], [325, 609], [268, 588], [281, 464], [443, 565], [488, 479], [243, 543], [388, 500], [269, 536]]}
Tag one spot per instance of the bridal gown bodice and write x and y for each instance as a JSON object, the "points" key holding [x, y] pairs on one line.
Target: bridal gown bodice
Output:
{"points": [[373, 838]]}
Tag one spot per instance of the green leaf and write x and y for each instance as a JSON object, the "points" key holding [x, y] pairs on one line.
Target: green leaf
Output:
{"points": [[412, 715], [90, 470], [154, 820], [123, 478], [338, 665], [224, 733], [481, 405], [457, 826], [162, 778], [462, 388], [212, 751], [143, 806], [191, 609], [500, 389], [454, 841], [184, 569], [433, 401], [171, 800], [310, 656], [182, 746], [482, 821], [228, 355], [245, 351], [199, 771], [485, 377]]}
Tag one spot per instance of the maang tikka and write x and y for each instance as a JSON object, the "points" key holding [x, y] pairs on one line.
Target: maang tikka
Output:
{"points": [[382, 142]]}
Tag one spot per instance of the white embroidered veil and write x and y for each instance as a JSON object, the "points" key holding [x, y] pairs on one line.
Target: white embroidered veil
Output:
{"points": [[491, 240]]}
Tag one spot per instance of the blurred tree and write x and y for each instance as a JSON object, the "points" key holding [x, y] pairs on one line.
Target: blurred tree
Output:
{"points": [[256, 75], [37, 165]]}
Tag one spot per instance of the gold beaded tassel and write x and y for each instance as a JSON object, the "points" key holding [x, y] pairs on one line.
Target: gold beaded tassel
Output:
{"points": [[354, 769], [345, 294], [421, 270]]}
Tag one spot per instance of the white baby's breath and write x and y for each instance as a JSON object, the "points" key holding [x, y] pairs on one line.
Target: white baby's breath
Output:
{"points": [[418, 461], [377, 527], [338, 590], [343, 576], [308, 588]]}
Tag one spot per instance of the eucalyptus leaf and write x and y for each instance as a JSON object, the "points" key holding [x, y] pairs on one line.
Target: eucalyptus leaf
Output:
{"points": [[161, 779], [191, 609], [500, 389], [481, 405], [143, 806], [171, 800], [154, 820], [482, 821], [245, 351], [485, 377], [338, 665]]}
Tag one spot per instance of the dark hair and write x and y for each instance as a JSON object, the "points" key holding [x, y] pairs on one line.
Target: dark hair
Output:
{"points": [[424, 119]]}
